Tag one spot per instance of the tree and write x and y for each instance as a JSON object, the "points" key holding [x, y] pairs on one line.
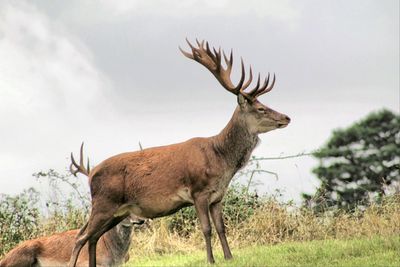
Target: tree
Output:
{"points": [[359, 163]]}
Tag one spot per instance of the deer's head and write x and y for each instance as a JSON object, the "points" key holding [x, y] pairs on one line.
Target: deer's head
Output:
{"points": [[258, 117]]}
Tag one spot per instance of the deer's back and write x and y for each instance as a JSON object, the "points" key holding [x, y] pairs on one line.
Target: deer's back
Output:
{"points": [[158, 181]]}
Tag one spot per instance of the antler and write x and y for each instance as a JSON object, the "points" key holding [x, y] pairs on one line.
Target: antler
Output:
{"points": [[81, 167], [212, 61]]}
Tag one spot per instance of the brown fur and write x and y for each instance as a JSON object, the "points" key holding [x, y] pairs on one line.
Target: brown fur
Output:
{"points": [[158, 181], [55, 250]]}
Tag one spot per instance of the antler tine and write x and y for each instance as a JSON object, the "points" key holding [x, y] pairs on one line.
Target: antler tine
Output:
{"points": [[211, 58], [252, 91], [200, 44], [238, 88], [191, 46], [81, 167], [247, 83], [81, 155], [266, 82], [88, 166], [266, 89], [73, 164], [186, 54], [228, 62], [194, 50], [211, 54], [208, 48], [218, 57], [256, 88]]}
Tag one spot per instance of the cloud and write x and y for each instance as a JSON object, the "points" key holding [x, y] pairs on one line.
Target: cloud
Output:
{"points": [[281, 10], [41, 67], [48, 87], [334, 66]]}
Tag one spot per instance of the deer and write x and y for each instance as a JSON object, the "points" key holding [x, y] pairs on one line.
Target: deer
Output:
{"points": [[55, 250], [158, 181]]}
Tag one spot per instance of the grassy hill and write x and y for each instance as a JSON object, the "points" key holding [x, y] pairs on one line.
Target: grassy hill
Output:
{"points": [[377, 251]]}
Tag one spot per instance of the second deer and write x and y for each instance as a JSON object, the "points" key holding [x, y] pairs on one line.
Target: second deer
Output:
{"points": [[55, 250], [159, 181]]}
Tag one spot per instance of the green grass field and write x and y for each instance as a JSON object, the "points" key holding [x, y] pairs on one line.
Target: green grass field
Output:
{"points": [[356, 252]]}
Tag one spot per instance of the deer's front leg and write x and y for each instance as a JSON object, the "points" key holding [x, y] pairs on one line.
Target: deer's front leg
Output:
{"points": [[202, 210], [217, 217]]}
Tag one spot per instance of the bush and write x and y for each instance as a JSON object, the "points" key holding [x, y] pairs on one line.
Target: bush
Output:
{"points": [[19, 218], [250, 220], [276, 222], [67, 204], [239, 205], [22, 219]]}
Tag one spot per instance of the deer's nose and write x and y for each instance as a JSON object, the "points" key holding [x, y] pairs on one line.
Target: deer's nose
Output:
{"points": [[287, 118]]}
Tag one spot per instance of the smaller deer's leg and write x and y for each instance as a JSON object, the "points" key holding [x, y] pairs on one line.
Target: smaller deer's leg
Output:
{"points": [[96, 236], [217, 217], [92, 252], [98, 218], [202, 210], [81, 241]]}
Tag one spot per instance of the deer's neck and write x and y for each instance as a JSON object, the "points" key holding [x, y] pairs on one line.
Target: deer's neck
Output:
{"points": [[235, 142], [118, 240]]}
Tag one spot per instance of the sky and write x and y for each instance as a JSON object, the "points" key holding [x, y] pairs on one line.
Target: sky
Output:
{"points": [[109, 73]]}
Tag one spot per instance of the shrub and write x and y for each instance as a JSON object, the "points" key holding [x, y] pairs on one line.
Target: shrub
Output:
{"points": [[239, 204], [276, 222], [19, 218], [22, 219]]}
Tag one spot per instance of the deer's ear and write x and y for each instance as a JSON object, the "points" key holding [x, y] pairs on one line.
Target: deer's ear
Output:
{"points": [[242, 101]]}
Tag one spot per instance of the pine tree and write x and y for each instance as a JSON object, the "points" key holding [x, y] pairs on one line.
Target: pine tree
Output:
{"points": [[359, 163]]}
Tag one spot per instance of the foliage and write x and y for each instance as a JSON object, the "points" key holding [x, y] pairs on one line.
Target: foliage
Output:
{"points": [[65, 190], [239, 205], [19, 218], [250, 219], [275, 222], [359, 163], [22, 218]]}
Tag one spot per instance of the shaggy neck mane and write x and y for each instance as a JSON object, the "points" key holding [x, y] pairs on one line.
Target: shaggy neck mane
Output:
{"points": [[235, 142]]}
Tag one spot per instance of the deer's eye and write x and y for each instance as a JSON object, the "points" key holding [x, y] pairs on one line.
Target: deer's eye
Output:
{"points": [[262, 110]]}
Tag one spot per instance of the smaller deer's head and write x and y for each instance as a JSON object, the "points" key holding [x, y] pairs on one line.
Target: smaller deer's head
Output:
{"points": [[258, 117], [125, 227], [132, 220]]}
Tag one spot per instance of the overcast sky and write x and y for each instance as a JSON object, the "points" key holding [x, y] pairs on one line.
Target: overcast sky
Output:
{"points": [[110, 73]]}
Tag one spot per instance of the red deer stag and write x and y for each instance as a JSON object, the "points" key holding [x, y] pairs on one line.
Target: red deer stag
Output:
{"points": [[159, 181]]}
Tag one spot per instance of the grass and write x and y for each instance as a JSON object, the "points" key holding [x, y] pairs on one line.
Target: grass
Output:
{"points": [[274, 223], [273, 234], [376, 251]]}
